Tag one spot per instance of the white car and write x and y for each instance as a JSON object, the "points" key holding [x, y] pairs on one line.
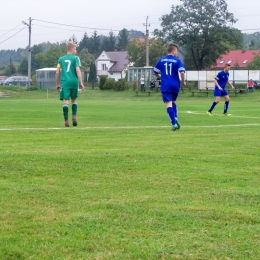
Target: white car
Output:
{"points": [[16, 80]]}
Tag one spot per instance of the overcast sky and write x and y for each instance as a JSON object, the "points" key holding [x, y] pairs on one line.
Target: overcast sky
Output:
{"points": [[55, 21]]}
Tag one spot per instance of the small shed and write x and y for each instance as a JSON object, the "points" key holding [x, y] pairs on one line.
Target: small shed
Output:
{"points": [[135, 73], [45, 78]]}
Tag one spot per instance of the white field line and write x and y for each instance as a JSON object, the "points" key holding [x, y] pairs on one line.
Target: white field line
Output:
{"points": [[197, 113], [136, 127], [121, 127]]}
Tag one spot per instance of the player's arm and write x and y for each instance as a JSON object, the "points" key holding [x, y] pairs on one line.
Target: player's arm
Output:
{"points": [[231, 85], [183, 79], [157, 71], [181, 70], [79, 77], [216, 83], [57, 77]]}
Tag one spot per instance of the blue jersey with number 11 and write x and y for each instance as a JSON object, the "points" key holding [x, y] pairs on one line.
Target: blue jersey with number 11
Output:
{"points": [[169, 68]]}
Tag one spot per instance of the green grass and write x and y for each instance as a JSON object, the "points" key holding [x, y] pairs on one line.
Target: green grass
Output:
{"points": [[121, 185]]}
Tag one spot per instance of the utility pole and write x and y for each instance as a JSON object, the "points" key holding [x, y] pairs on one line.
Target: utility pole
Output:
{"points": [[147, 41], [29, 51]]}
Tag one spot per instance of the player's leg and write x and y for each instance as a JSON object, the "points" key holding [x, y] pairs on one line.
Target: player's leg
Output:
{"points": [[217, 94], [227, 99], [175, 108], [64, 95], [65, 109], [74, 106], [167, 99]]}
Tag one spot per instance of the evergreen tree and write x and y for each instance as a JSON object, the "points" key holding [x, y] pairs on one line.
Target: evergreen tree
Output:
{"points": [[12, 68], [94, 44], [105, 44], [122, 39], [83, 44], [23, 68], [112, 41], [92, 73], [73, 39]]}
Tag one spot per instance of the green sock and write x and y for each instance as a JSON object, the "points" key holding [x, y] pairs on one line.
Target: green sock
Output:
{"points": [[74, 109], [65, 112]]}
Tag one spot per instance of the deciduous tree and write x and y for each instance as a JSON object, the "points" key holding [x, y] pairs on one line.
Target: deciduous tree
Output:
{"points": [[137, 51], [255, 63], [202, 28], [86, 59]]}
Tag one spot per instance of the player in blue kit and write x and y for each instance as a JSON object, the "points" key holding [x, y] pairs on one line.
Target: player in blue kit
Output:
{"points": [[167, 69], [221, 81]]}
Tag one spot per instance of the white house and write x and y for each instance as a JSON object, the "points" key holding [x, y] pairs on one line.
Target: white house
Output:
{"points": [[112, 64]]}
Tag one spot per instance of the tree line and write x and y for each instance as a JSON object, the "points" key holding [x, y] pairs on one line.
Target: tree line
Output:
{"points": [[202, 28], [47, 54]]}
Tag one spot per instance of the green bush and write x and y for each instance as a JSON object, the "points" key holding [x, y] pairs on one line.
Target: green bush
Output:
{"points": [[34, 80], [135, 85], [120, 85], [109, 84], [102, 82]]}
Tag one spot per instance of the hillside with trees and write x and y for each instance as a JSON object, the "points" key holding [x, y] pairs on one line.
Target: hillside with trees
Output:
{"points": [[195, 25], [46, 54]]}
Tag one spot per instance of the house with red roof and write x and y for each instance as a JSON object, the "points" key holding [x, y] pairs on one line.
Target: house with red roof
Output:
{"points": [[112, 64], [237, 59]]}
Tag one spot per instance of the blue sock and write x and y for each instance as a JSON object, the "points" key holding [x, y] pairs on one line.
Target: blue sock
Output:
{"points": [[226, 107], [171, 114], [175, 110], [212, 106]]}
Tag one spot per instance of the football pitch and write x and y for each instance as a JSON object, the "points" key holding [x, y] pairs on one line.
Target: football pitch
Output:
{"points": [[121, 185]]}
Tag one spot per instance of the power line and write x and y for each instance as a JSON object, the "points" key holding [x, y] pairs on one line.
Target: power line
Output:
{"points": [[76, 26], [51, 27], [12, 35], [10, 30]]}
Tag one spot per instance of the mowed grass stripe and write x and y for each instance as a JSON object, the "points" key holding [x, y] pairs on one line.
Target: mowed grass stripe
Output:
{"points": [[106, 191]]}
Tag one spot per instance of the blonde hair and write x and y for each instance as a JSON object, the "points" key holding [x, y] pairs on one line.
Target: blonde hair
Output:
{"points": [[71, 45]]}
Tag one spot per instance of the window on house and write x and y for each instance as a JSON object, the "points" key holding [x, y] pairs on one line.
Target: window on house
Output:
{"points": [[229, 61], [104, 67], [221, 62], [245, 61]]}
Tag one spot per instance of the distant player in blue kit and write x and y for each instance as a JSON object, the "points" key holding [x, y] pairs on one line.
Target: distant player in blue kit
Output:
{"points": [[221, 81], [167, 70]]}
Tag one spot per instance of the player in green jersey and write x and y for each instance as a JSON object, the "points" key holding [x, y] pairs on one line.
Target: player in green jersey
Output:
{"points": [[69, 69]]}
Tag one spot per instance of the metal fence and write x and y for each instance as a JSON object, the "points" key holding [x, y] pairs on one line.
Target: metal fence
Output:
{"points": [[204, 78]]}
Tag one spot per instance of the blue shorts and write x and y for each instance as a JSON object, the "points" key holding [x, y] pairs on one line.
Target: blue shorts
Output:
{"points": [[220, 93], [169, 96]]}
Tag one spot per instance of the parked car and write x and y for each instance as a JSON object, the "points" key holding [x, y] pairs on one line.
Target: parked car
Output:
{"points": [[17, 80], [2, 79], [257, 84]]}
